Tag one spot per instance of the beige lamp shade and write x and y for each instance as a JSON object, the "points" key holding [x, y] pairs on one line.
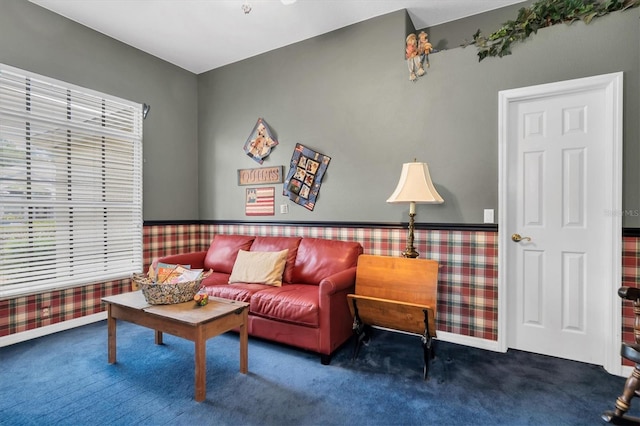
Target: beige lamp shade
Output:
{"points": [[415, 186]]}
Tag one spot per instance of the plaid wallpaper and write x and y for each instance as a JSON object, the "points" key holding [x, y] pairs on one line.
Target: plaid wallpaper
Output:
{"points": [[467, 289], [468, 278], [631, 278], [165, 240], [24, 313]]}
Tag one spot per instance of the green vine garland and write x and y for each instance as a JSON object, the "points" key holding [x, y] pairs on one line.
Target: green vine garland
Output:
{"points": [[541, 14]]}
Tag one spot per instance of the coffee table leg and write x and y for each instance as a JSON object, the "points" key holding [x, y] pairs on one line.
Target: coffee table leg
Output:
{"points": [[111, 336], [201, 366], [244, 342]]}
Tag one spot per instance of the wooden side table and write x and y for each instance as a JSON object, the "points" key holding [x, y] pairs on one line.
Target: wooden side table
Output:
{"points": [[396, 293]]}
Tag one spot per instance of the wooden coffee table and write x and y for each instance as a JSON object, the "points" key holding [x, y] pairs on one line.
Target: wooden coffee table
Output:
{"points": [[186, 320]]}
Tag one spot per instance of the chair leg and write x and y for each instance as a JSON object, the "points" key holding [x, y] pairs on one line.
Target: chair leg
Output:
{"points": [[360, 330], [427, 346], [623, 403], [428, 354], [362, 336]]}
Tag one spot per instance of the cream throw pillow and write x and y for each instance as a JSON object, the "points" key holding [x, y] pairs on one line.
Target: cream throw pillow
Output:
{"points": [[261, 267]]}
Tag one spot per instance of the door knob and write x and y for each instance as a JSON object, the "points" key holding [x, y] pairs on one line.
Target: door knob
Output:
{"points": [[517, 238]]}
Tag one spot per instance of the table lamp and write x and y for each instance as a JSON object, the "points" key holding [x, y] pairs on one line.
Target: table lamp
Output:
{"points": [[415, 186]]}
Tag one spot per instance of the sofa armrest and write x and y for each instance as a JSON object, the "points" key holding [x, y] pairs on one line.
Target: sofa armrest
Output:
{"points": [[195, 259], [335, 317], [341, 281]]}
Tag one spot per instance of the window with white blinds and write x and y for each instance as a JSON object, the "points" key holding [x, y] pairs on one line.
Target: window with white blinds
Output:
{"points": [[70, 185]]}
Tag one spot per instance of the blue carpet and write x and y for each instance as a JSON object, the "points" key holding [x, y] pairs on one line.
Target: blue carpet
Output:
{"points": [[65, 379]]}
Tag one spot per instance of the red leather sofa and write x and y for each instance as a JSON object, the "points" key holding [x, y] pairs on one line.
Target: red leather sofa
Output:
{"points": [[309, 310]]}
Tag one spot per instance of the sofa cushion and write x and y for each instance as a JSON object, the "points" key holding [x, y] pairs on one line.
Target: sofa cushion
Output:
{"points": [[296, 303], [223, 251], [216, 278], [278, 244], [237, 291], [319, 258], [259, 267]]}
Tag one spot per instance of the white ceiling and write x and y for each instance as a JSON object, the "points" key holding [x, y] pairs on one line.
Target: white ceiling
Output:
{"points": [[200, 35]]}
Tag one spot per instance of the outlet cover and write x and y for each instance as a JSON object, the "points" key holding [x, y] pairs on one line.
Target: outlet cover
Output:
{"points": [[488, 215]]}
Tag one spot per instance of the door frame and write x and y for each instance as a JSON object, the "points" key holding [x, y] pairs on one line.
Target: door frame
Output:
{"points": [[613, 86]]}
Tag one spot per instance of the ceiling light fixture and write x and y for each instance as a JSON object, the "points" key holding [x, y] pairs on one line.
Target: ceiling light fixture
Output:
{"points": [[246, 7], [287, 2]]}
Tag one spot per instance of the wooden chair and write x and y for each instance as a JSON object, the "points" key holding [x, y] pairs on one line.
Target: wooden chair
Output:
{"points": [[395, 293], [630, 351]]}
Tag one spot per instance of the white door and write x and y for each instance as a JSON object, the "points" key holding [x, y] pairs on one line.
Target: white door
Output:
{"points": [[561, 192]]}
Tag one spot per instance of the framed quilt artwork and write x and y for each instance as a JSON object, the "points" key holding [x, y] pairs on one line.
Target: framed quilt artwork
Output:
{"points": [[260, 201], [258, 145], [304, 178]]}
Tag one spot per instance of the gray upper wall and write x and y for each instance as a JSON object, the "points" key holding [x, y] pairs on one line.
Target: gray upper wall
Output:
{"points": [[453, 34], [345, 94], [37, 40]]}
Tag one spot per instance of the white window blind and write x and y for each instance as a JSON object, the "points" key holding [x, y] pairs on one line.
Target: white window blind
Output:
{"points": [[70, 185]]}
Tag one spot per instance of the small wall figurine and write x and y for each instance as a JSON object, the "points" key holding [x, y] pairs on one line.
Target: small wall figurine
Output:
{"points": [[424, 48], [260, 142], [411, 55], [417, 50]]}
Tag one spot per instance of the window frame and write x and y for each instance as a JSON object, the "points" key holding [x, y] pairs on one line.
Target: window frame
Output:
{"points": [[70, 185]]}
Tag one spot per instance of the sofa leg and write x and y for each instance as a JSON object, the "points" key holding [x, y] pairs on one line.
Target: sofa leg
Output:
{"points": [[325, 359]]}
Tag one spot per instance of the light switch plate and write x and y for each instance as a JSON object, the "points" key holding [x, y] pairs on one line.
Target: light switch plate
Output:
{"points": [[488, 215]]}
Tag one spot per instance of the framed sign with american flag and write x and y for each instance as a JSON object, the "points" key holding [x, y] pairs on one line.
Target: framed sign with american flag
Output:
{"points": [[260, 201]]}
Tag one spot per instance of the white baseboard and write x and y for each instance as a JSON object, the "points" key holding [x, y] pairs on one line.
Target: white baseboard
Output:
{"points": [[625, 371], [50, 329], [474, 342]]}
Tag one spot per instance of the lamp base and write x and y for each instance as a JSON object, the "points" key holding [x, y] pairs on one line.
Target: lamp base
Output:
{"points": [[410, 251]]}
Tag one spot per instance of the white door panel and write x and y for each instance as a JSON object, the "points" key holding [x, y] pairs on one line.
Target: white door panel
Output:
{"points": [[558, 178], [550, 162]]}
